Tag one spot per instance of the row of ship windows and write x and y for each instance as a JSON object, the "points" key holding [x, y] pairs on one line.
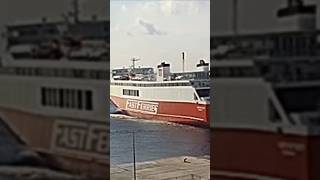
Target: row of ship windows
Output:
{"points": [[70, 73], [66, 98], [130, 92], [194, 75], [150, 85], [51, 30], [201, 83]]}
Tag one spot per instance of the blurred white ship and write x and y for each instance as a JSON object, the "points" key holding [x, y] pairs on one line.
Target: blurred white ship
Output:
{"points": [[53, 78], [265, 120]]}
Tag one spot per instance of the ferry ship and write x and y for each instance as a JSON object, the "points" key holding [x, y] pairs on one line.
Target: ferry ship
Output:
{"points": [[175, 97], [53, 75], [265, 122]]}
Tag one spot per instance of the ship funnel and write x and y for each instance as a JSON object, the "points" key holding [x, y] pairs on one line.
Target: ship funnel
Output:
{"points": [[183, 54], [203, 66], [94, 17], [44, 20], [163, 73]]}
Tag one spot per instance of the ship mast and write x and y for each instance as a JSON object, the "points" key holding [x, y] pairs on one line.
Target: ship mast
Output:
{"points": [[134, 60], [235, 17], [76, 11]]}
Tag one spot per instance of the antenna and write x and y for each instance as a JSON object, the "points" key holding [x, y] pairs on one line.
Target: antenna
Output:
{"points": [[235, 17], [75, 5], [182, 61]]}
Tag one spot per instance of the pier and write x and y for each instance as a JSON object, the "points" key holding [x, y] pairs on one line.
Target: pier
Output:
{"points": [[165, 169]]}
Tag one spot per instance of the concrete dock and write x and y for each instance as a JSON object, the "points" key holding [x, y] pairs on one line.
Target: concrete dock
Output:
{"points": [[182, 168]]}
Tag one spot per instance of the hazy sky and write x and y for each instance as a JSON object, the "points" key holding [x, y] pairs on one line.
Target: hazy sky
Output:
{"points": [[159, 30]]}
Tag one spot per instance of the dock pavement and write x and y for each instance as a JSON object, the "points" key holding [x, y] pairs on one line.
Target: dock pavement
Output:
{"points": [[177, 168]]}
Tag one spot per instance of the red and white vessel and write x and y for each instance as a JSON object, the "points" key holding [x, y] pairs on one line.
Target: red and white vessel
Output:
{"points": [[175, 97], [265, 122], [51, 75]]}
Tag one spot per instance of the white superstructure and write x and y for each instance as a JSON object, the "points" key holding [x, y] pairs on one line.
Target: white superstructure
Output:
{"points": [[191, 91]]}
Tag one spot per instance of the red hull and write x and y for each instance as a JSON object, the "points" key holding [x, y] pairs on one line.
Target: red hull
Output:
{"points": [[183, 113], [250, 154]]}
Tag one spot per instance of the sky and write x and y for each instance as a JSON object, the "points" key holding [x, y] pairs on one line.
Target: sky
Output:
{"points": [[159, 30]]}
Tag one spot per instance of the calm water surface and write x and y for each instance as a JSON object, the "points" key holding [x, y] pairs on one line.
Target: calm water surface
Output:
{"points": [[155, 140]]}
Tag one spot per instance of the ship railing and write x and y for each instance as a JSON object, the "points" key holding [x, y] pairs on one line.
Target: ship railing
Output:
{"points": [[58, 51], [54, 72]]}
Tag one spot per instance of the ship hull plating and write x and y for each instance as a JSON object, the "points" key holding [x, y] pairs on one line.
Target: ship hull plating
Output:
{"points": [[69, 144], [256, 154], [177, 112]]}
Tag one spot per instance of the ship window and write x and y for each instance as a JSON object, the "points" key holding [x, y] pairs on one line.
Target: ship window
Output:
{"points": [[72, 98], [43, 95], [57, 97], [52, 97], [49, 96], [88, 100], [61, 97], [66, 98], [46, 96], [130, 92], [79, 94]]}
